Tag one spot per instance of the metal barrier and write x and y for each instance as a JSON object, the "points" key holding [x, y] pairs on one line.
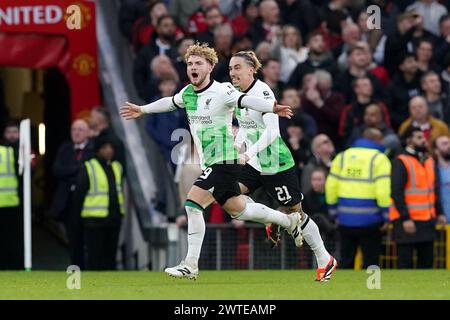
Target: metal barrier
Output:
{"points": [[226, 247]]}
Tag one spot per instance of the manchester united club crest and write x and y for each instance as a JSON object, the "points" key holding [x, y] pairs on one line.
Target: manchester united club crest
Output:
{"points": [[83, 64]]}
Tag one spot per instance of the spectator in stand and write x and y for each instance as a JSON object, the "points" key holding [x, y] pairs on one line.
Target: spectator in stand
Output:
{"points": [[421, 118], [67, 164], [319, 57], [197, 21], [399, 43], [100, 124], [424, 55], [182, 10], [445, 75], [242, 43], [357, 68], [443, 43], [372, 68], [300, 13], [411, 31], [267, 26], [163, 44], [441, 147], [230, 8], [250, 12], [161, 66], [298, 144], [415, 201], [334, 17], [351, 34], [322, 149], [287, 47], [404, 86], [373, 118], [213, 18], [160, 126], [315, 205], [223, 39], [271, 76], [374, 37], [263, 51], [290, 96], [323, 104], [431, 11], [180, 64], [144, 27], [130, 11], [353, 114], [438, 101]]}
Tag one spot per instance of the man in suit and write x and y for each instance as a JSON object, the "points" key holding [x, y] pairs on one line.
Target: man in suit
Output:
{"points": [[69, 159], [101, 125]]}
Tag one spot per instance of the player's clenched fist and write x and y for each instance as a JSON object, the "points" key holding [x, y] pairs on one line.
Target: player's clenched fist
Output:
{"points": [[130, 111]]}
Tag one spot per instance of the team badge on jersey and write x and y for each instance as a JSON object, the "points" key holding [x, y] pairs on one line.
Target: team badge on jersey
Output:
{"points": [[207, 103]]}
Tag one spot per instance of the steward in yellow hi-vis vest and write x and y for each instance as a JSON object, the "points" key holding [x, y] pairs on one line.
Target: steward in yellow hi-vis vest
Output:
{"points": [[357, 191], [98, 199], [9, 183], [11, 214]]}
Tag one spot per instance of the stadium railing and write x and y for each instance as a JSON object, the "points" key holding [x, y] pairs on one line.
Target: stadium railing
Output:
{"points": [[226, 247]]}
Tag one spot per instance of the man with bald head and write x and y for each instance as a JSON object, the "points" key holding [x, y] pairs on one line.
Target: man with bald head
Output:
{"points": [[420, 117], [68, 162], [268, 25], [322, 148]]}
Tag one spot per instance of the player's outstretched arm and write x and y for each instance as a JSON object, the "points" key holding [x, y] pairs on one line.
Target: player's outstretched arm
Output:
{"points": [[263, 105], [132, 111]]}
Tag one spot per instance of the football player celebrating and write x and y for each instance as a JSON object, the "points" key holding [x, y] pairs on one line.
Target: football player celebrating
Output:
{"points": [[209, 106], [268, 161]]}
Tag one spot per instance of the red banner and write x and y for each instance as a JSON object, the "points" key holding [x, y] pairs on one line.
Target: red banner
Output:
{"points": [[54, 33]]}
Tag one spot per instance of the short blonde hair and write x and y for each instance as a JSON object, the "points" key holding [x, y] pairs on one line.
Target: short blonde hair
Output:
{"points": [[250, 58], [204, 51]]}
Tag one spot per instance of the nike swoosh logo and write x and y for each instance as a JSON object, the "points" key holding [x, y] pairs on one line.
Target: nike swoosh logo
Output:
{"points": [[190, 234]]}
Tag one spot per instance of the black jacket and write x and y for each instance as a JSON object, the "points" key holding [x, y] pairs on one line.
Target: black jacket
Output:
{"points": [[425, 229], [327, 63], [119, 147], [82, 188], [400, 92], [141, 69], [65, 169]]}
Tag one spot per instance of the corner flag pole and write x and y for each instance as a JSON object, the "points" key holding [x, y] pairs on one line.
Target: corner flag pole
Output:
{"points": [[24, 170]]}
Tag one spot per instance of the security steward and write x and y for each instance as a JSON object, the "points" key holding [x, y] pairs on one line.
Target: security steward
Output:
{"points": [[415, 201], [358, 194], [98, 198], [11, 225]]}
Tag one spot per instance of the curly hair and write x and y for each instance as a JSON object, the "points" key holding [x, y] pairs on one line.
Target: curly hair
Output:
{"points": [[250, 58], [204, 51]]}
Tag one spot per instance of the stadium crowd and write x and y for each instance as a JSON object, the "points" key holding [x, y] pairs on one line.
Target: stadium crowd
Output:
{"points": [[340, 75]]}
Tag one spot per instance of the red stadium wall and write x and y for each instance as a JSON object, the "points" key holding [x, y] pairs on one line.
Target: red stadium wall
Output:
{"points": [[52, 33]]}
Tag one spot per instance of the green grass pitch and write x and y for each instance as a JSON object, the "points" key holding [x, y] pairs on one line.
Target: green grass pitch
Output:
{"points": [[212, 285]]}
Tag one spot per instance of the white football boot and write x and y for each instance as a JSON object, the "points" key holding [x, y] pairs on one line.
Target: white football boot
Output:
{"points": [[295, 230], [183, 270]]}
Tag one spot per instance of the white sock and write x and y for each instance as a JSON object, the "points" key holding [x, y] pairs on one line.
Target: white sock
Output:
{"points": [[196, 232], [312, 237], [258, 212]]}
